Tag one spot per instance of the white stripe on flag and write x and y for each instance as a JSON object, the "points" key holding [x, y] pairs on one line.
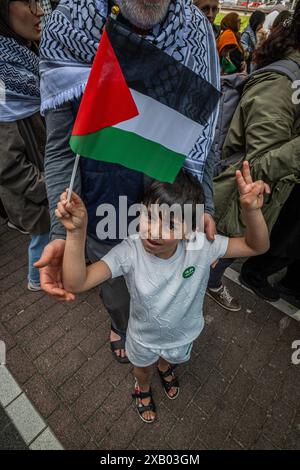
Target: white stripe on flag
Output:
{"points": [[163, 125]]}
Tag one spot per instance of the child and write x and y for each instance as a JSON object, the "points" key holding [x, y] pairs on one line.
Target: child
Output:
{"points": [[166, 280]]}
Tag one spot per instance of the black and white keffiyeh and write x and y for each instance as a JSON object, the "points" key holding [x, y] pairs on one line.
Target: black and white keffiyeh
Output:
{"points": [[70, 41], [19, 81]]}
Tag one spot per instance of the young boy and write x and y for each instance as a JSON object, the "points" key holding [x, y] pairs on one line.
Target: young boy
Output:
{"points": [[166, 278]]}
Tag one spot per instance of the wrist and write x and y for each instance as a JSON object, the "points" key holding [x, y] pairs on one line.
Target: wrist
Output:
{"points": [[77, 233], [250, 210], [247, 208]]}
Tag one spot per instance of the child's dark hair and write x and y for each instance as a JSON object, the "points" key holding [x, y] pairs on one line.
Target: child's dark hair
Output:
{"points": [[186, 189]]}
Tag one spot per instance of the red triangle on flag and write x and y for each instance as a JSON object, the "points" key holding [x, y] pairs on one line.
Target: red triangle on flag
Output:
{"points": [[107, 99]]}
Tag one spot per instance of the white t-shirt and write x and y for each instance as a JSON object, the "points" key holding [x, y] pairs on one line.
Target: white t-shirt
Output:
{"points": [[166, 295]]}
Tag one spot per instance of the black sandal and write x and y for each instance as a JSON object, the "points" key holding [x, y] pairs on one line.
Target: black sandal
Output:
{"points": [[118, 344], [138, 395], [168, 385]]}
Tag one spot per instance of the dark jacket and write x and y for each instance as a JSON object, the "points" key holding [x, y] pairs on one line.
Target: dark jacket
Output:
{"points": [[22, 186]]}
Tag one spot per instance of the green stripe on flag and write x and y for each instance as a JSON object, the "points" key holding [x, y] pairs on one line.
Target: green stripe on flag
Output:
{"points": [[135, 152]]}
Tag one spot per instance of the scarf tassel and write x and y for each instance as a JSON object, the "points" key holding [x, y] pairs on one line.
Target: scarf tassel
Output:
{"points": [[58, 100]]}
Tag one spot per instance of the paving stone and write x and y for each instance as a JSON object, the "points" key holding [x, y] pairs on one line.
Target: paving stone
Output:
{"points": [[9, 340], [43, 342], [250, 424], [9, 389], [263, 444], [94, 396], [66, 368], [70, 340], [50, 317], [179, 436], [47, 361], [94, 341], [123, 433], [46, 441], [10, 439], [74, 316], [41, 395], [276, 431], [25, 418], [71, 390], [210, 394], [94, 366], [155, 437], [67, 430], [20, 365]]}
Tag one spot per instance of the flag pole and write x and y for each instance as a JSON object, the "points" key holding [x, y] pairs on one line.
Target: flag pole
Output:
{"points": [[114, 13], [70, 189]]}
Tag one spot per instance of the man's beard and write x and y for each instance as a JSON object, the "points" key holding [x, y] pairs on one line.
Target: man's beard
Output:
{"points": [[144, 14]]}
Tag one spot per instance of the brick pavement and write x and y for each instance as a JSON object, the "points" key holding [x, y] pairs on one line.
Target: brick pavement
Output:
{"points": [[240, 390], [10, 439]]}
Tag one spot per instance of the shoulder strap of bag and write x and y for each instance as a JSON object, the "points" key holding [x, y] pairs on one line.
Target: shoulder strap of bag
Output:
{"points": [[287, 67]]}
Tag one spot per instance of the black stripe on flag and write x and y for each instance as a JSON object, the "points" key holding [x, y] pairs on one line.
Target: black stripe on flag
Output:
{"points": [[154, 73]]}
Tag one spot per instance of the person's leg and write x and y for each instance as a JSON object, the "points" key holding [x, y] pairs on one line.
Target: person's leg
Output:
{"points": [[168, 360], [216, 273], [255, 272], [290, 284], [35, 249], [217, 291], [143, 387], [142, 358], [116, 299], [167, 375]]}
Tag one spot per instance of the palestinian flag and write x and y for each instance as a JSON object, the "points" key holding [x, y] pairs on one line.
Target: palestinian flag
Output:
{"points": [[141, 108]]}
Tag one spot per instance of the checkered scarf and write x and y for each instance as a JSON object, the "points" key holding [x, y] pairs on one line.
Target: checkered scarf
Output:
{"points": [[19, 81]]}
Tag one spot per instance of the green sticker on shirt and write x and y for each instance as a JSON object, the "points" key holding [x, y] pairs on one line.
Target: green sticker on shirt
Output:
{"points": [[188, 272]]}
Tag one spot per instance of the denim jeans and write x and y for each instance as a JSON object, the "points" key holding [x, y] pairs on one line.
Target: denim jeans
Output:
{"points": [[35, 249]]}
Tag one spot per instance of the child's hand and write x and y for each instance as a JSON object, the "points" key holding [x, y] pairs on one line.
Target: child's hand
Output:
{"points": [[251, 194], [72, 214]]}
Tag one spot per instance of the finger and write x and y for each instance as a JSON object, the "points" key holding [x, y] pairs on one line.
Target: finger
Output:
{"points": [[259, 187], [57, 292], [247, 173], [58, 214], [44, 260], [209, 229], [63, 210], [267, 189], [75, 198], [242, 186], [63, 196]]}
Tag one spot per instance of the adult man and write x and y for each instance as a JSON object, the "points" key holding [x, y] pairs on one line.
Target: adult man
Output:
{"points": [[210, 9], [67, 52]]}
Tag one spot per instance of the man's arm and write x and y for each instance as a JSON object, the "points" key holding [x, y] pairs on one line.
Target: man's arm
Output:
{"points": [[59, 161], [207, 184]]}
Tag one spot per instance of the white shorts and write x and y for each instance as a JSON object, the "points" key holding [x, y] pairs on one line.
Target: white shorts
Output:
{"points": [[141, 356]]}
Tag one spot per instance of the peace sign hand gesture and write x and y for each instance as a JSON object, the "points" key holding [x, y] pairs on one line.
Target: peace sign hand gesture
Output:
{"points": [[251, 193]]}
